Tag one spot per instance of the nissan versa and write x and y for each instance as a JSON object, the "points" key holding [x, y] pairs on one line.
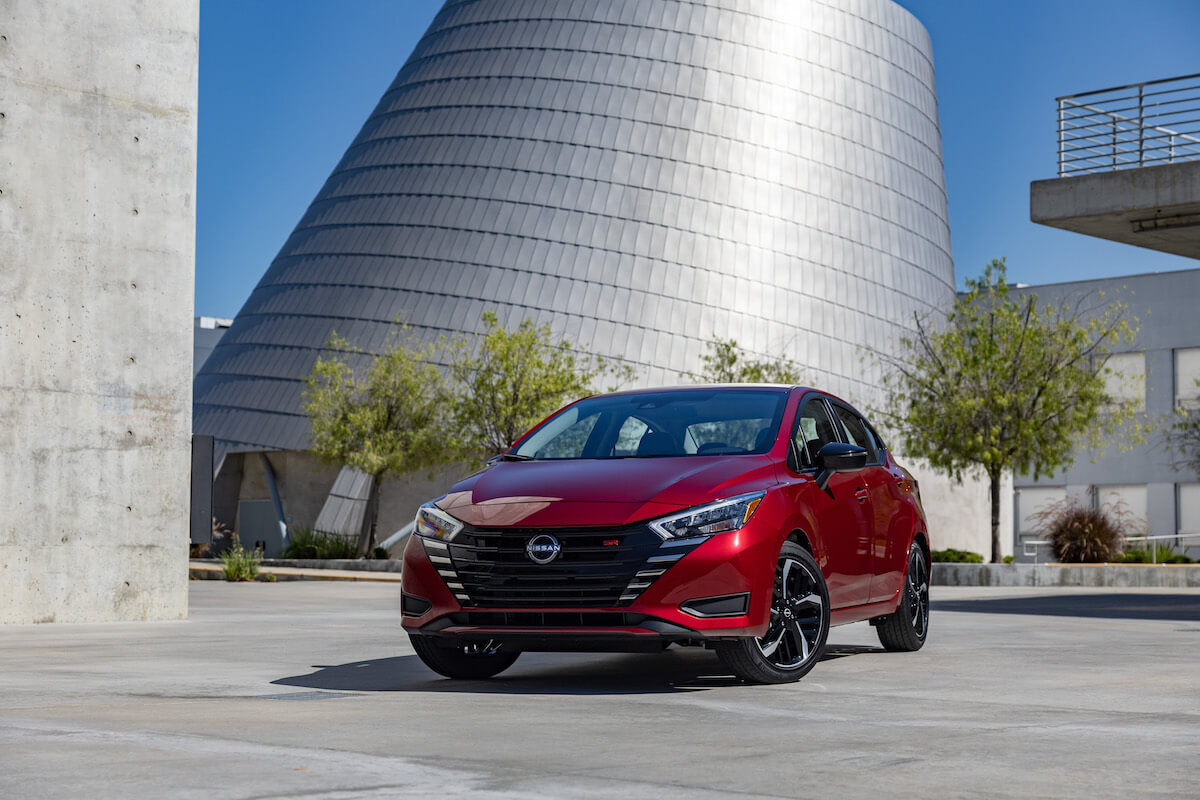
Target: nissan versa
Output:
{"points": [[745, 519]]}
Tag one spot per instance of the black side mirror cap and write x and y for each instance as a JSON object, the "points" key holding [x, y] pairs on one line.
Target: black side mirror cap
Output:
{"points": [[838, 457]]}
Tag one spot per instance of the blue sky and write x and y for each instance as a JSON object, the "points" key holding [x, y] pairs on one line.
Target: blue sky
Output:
{"points": [[286, 84]]}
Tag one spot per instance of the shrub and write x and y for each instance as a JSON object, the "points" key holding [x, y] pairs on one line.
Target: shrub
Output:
{"points": [[220, 541], [238, 563], [309, 543], [1009, 559], [1079, 533], [1163, 554], [952, 556]]}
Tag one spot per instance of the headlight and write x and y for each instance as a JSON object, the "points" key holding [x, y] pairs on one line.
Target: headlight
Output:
{"points": [[433, 523], [704, 521]]}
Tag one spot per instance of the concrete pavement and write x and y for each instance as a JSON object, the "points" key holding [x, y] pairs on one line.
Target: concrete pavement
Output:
{"points": [[281, 690]]}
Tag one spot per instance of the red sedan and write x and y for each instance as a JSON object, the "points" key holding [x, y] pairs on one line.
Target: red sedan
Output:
{"points": [[744, 519]]}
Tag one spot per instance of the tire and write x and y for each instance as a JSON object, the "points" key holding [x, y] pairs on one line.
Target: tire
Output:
{"points": [[798, 628], [465, 662], [905, 629]]}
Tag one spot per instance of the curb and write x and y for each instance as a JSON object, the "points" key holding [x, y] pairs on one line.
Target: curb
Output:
{"points": [[205, 571], [1176, 576]]}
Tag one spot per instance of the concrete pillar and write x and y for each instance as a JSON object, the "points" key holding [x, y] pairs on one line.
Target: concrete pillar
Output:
{"points": [[97, 227]]}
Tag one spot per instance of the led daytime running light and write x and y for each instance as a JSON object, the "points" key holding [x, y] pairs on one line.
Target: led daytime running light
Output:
{"points": [[704, 521], [433, 523]]}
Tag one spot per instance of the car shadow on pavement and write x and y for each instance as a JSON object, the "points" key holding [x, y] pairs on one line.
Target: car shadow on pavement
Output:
{"points": [[1181, 607], [545, 673]]}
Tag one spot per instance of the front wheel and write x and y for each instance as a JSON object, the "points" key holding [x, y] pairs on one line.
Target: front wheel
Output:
{"points": [[798, 626], [905, 629], [467, 662]]}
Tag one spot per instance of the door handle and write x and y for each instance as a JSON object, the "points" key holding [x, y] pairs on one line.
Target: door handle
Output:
{"points": [[860, 494]]}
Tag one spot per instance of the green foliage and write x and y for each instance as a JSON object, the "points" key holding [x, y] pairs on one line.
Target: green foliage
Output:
{"points": [[308, 543], [395, 412], [725, 362], [508, 381], [952, 556], [384, 418], [1183, 437], [1163, 553], [1009, 383], [1009, 559], [240, 564], [383, 414]]}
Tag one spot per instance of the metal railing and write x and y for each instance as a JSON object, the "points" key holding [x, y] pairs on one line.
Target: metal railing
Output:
{"points": [[1032, 545], [1138, 125]]}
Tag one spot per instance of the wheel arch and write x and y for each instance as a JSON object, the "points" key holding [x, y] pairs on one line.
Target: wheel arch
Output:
{"points": [[921, 539], [809, 542], [801, 538]]}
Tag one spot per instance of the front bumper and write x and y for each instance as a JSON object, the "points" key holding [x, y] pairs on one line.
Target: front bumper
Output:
{"points": [[734, 571]]}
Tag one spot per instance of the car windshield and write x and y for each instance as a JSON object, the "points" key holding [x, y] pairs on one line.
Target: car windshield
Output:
{"points": [[686, 422]]}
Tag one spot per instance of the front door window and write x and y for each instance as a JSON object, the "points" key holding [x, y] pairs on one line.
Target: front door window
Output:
{"points": [[814, 430]]}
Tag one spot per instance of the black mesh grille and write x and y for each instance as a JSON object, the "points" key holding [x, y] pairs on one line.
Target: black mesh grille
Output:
{"points": [[592, 570], [547, 619]]}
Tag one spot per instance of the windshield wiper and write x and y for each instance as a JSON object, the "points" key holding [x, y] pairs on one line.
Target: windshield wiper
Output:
{"points": [[510, 457]]}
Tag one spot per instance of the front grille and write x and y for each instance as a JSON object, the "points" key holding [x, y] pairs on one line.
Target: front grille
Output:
{"points": [[596, 568], [547, 619]]}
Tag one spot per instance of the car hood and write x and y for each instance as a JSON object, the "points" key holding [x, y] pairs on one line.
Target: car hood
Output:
{"points": [[600, 492]]}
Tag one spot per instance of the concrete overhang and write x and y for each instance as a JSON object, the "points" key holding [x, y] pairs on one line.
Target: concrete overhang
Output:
{"points": [[1153, 207]]}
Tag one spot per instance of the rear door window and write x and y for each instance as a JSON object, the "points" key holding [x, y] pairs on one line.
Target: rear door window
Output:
{"points": [[859, 433]]}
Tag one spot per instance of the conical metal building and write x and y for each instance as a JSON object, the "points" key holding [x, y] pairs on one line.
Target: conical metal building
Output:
{"points": [[642, 175]]}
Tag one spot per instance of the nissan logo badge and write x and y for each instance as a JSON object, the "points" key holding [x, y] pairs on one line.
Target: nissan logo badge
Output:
{"points": [[543, 548]]}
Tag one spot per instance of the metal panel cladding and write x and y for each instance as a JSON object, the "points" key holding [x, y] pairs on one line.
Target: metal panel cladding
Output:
{"points": [[643, 175]]}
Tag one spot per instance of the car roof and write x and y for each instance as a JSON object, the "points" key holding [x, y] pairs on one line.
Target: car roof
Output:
{"points": [[786, 387], [781, 387]]}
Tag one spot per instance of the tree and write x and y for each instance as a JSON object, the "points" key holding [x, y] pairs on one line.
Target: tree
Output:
{"points": [[508, 381], [1183, 437], [383, 415], [1008, 383], [725, 362]]}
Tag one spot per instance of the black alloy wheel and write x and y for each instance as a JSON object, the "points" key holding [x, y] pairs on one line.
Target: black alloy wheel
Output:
{"points": [[905, 629], [797, 629], [473, 661]]}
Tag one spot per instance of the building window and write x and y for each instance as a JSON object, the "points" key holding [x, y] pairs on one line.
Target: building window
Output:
{"points": [[1187, 372], [1031, 500], [1125, 379], [1188, 511], [1128, 500]]}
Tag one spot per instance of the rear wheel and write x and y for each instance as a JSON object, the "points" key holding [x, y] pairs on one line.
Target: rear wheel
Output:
{"points": [[473, 661], [798, 626], [906, 628]]}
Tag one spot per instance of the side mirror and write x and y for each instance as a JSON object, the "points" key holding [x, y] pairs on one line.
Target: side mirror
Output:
{"points": [[838, 457]]}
